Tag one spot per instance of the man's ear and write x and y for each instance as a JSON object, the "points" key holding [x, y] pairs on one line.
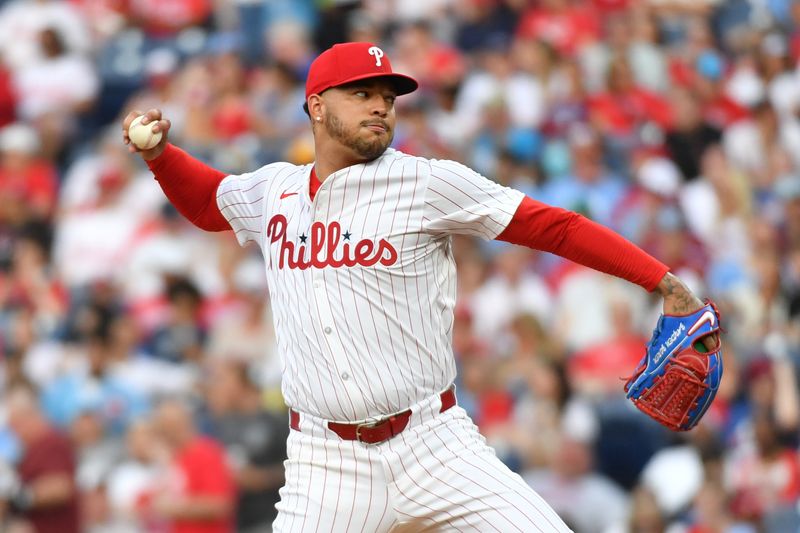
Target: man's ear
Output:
{"points": [[316, 107]]}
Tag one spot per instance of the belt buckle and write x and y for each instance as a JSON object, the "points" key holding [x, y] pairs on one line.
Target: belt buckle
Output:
{"points": [[367, 425]]}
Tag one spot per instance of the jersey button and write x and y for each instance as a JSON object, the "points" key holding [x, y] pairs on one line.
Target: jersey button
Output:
{"points": [[327, 330], [345, 376]]}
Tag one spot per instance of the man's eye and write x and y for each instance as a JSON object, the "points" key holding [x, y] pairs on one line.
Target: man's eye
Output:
{"points": [[361, 94]]}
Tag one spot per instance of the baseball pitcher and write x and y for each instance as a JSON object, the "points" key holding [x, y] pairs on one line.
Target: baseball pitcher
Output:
{"points": [[362, 282]]}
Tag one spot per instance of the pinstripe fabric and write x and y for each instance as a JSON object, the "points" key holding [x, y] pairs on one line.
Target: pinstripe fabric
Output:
{"points": [[437, 475], [362, 279], [362, 286]]}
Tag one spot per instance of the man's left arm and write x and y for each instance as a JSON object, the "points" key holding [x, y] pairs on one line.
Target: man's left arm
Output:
{"points": [[459, 200], [574, 237]]}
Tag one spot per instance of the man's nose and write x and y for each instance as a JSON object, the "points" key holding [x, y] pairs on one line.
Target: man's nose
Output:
{"points": [[379, 106]]}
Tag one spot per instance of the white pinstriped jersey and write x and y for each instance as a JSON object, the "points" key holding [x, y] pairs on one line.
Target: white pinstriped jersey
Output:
{"points": [[362, 280]]}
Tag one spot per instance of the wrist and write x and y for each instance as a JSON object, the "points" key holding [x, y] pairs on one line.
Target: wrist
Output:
{"points": [[157, 156], [678, 299], [151, 155], [670, 284]]}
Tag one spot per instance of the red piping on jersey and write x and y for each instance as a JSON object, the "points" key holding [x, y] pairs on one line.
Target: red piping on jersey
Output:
{"points": [[578, 239], [313, 184], [191, 186]]}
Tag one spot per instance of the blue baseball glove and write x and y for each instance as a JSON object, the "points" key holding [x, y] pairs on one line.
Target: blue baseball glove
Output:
{"points": [[678, 377]]}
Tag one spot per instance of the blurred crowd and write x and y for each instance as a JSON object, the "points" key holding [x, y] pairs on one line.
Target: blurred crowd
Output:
{"points": [[139, 375]]}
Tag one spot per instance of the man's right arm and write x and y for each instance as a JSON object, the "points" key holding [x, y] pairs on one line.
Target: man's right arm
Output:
{"points": [[191, 187], [189, 184]]}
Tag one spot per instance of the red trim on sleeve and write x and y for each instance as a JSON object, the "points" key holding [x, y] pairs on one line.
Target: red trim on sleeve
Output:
{"points": [[191, 186], [578, 239]]}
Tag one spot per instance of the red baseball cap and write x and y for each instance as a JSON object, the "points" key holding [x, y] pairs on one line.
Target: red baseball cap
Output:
{"points": [[348, 62]]}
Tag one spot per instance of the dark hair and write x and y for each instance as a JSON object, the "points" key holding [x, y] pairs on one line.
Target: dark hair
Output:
{"points": [[52, 41], [183, 287]]}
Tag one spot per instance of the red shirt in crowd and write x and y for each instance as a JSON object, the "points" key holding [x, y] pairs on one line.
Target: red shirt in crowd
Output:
{"points": [[8, 98], [167, 17], [35, 185], [204, 472], [603, 365], [723, 111], [51, 454], [566, 30], [761, 486], [621, 113]]}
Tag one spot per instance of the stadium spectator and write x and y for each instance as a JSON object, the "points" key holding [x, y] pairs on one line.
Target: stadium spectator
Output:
{"points": [[586, 500], [94, 389], [710, 512], [509, 290], [197, 494], [243, 331], [47, 496], [766, 479], [534, 376], [164, 19], [625, 106], [644, 514], [564, 25], [596, 370], [690, 134], [97, 453], [135, 478], [591, 188], [28, 182], [54, 92], [254, 440], [22, 22], [181, 339]]}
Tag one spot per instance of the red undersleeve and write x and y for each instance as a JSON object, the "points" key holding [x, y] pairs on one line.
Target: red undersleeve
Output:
{"points": [[191, 186], [578, 239]]}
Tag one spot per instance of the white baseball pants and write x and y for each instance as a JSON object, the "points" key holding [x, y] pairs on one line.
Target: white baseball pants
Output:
{"points": [[436, 475]]}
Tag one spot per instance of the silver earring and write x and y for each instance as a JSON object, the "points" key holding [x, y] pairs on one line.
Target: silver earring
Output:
{"points": [[319, 118]]}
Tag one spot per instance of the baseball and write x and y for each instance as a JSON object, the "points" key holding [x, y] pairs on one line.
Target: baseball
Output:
{"points": [[142, 135]]}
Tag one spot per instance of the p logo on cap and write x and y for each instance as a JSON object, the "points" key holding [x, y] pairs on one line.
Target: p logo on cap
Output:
{"points": [[348, 62], [378, 53]]}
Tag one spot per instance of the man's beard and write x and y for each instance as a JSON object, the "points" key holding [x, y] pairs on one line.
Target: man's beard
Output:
{"points": [[367, 149]]}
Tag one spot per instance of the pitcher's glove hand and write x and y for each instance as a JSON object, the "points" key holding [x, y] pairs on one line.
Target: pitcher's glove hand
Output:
{"points": [[678, 377]]}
